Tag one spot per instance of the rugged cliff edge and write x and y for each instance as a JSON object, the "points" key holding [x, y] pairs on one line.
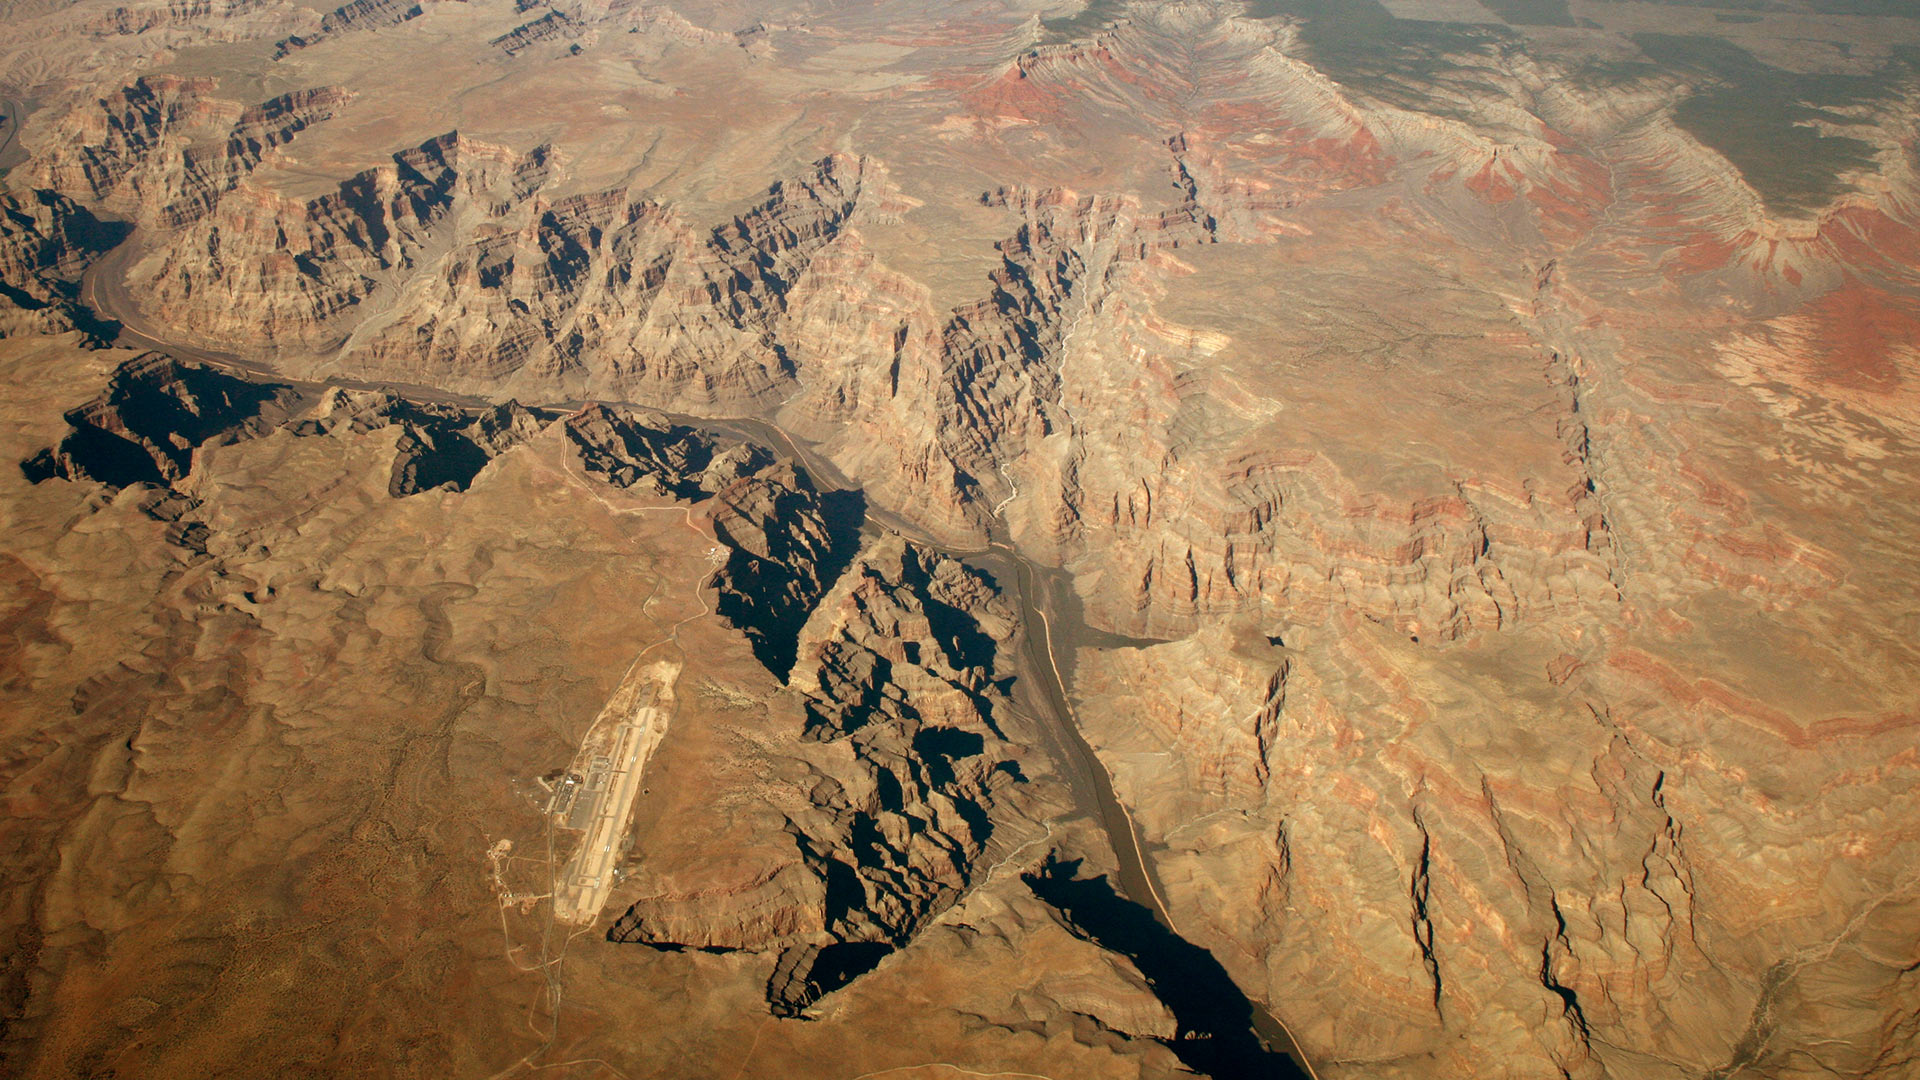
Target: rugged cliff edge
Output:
{"points": [[1474, 460], [912, 769]]}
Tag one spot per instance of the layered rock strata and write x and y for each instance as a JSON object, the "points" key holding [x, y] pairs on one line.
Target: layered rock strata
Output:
{"points": [[163, 151], [914, 769], [46, 243], [359, 15], [1520, 490]]}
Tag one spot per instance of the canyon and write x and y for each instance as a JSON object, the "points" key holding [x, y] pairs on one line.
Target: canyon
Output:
{"points": [[1138, 538]]}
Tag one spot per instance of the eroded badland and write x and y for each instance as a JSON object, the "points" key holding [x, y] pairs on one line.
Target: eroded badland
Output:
{"points": [[922, 540]]}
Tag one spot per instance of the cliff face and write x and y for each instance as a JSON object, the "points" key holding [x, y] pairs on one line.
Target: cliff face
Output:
{"points": [[177, 15], [454, 267], [359, 15], [263, 265], [911, 767], [144, 428], [46, 243], [580, 23], [264, 585], [163, 151], [892, 655], [1481, 509]]}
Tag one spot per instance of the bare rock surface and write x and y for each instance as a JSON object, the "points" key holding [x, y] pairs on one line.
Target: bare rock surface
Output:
{"points": [[46, 243], [907, 777], [1127, 538], [335, 593]]}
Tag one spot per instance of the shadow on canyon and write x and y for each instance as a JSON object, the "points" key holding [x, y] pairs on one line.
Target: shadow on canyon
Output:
{"points": [[1215, 1020]]}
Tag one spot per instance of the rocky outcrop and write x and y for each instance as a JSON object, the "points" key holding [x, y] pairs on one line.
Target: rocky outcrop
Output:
{"points": [[46, 244], [145, 426], [785, 537], [506, 287], [156, 411], [355, 16], [129, 20], [898, 675], [786, 542], [439, 445], [163, 151], [553, 26], [581, 22], [656, 454]]}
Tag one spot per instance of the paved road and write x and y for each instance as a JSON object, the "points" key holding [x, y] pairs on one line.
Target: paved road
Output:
{"points": [[11, 152], [588, 879]]}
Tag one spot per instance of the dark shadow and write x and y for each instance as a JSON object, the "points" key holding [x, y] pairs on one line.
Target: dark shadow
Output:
{"points": [[838, 965], [955, 631], [869, 847], [21, 299], [445, 446], [845, 514], [850, 716], [88, 453], [940, 747], [88, 322], [82, 229], [676, 947], [886, 788], [771, 598], [979, 825], [1215, 1020], [628, 930], [805, 974], [845, 893], [153, 414], [435, 454]]}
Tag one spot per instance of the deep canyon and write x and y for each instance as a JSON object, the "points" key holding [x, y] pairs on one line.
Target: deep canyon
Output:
{"points": [[1136, 538]]}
